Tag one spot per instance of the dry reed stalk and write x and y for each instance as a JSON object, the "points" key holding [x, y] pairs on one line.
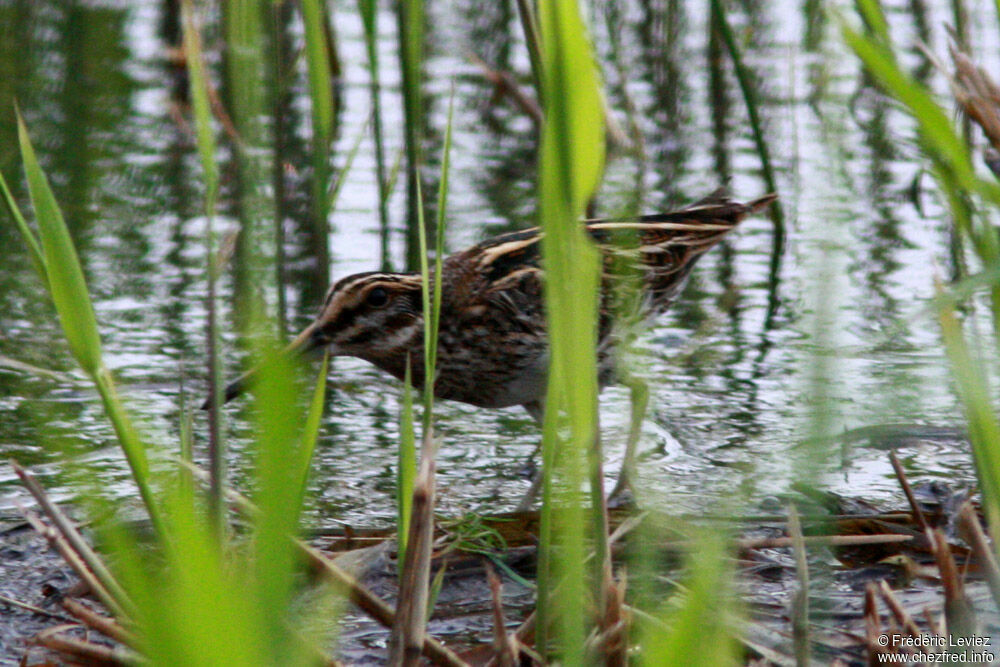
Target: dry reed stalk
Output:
{"points": [[84, 652], [873, 627], [817, 540], [72, 559], [116, 597], [898, 613], [373, 605], [32, 608], [958, 612], [409, 630], [980, 548], [905, 483], [103, 624], [505, 645]]}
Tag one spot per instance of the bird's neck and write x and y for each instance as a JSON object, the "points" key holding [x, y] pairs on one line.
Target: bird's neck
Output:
{"points": [[395, 361]]}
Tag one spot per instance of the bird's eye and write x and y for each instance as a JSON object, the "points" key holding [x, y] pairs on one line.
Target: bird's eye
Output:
{"points": [[377, 297]]}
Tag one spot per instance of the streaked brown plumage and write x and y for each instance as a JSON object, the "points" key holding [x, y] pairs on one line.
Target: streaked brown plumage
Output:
{"points": [[492, 349]]}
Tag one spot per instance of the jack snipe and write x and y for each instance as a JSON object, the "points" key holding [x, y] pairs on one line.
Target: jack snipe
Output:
{"points": [[492, 349]]}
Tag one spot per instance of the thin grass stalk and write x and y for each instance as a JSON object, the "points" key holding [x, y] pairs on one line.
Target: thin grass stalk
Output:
{"points": [[369, 19], [981, 549], [279, 11], [432, 302], [186, 438], [34, 249], [410, 27], [572, 156], [244, 68], [198, 90], [960, 19], [338, 184], [532, 38], [406, 469], [407, 473], [545, 577], [413, 607], [984, 428], [310, 432], [748, 89], [321, 95], [800, 599]]}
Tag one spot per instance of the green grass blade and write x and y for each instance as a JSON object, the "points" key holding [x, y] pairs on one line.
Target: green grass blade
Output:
{"points": [[410, 28], [430, 344], [202, 109], [281, 452], [696, 632], [310, 433], [65, 275], [68, 289], [874, 18], [34, 249], [984, 429], [406, 469], [529, 25], [369, 18], [318, 50], [432, 301], [338, 185], [572, 158], [243, 21], [320, 74]]}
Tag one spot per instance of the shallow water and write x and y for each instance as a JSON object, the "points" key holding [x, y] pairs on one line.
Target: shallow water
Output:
{"points": [[835, 332]]}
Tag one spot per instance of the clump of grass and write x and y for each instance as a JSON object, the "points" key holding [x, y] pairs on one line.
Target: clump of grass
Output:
{"points": [[192, 596], [958, 181], [195, 601]]}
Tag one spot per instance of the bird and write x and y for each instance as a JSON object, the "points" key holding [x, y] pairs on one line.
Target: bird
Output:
{"points": [[492, 340]]}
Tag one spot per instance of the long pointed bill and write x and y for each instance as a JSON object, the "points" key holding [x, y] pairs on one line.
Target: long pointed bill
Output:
{"points": [[303, 344]]}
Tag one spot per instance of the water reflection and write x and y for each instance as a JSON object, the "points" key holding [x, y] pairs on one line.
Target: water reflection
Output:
{"points": [[105, 100]]}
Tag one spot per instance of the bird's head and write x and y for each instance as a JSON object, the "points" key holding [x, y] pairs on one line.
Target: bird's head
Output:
{"points": [[367, 315], [375, 316]]}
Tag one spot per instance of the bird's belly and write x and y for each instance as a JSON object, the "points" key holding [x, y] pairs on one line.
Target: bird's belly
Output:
{"points": [[488, 379]]}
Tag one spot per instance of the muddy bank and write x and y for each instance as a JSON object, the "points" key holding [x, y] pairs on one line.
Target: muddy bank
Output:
{"points": [[30, 574]]}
